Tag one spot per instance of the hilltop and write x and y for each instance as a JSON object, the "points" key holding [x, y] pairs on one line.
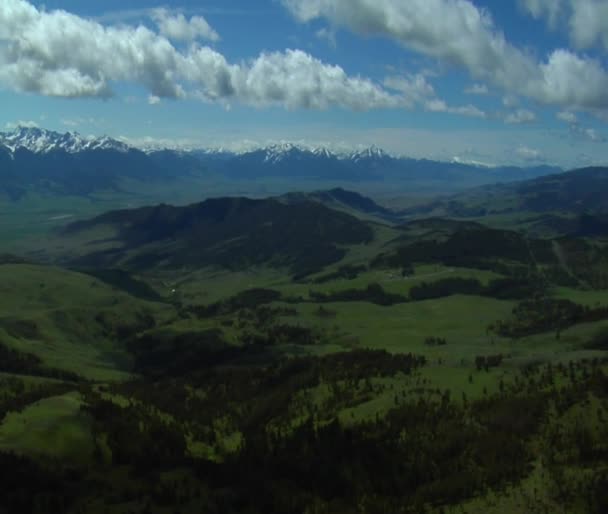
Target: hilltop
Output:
{"points": [[232, 233]]}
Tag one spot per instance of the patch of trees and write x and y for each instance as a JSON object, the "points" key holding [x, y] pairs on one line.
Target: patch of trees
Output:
{"points": [[17, 397], [135, 436], [479, 248], [248, 299], [546, 314], [264, 315], [445, 287], [283, 333], [373, 293], [167, 353], [21, 328], [114, 326], [488, 361], [502, 288], [427, 453], [599, 341], [21, 363], [7, 258], [435, 341], [347, 272], [124, 281], [28, 486]]}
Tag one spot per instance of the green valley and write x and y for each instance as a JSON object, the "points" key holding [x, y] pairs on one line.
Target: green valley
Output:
{"points": [[279, 355]]}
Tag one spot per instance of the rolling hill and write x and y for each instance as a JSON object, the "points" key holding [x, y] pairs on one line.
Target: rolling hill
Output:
{"points": [[344, 200], [569, 203], [231, 233]]}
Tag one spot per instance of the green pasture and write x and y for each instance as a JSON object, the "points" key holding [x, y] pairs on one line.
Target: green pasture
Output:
{"points": [[50, 428], [55, 314]]}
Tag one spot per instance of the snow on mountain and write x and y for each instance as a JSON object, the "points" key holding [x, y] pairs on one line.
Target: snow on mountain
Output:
{"points": [[43, 141], [277, 153], [371, 153]]}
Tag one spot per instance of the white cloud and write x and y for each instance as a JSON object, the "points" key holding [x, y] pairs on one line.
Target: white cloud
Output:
{"points": [[586, 20], [589, 23], [328, 35], [592, 135], [178, 28], [153, 100], [437, 105], [520, 116], [530, 154], [510, 101], [568, 117], [414, 88], [549, 9], [13, 125], [477, 89], [56, 53], [463, 35]]}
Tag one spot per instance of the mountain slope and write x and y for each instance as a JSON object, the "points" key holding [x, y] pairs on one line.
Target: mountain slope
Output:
{"points": [[344, 200], [37, 160], [232, 233], [571, 203], [372, 164], [71, 321]]}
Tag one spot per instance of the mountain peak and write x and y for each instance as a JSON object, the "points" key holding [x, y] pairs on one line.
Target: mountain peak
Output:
{"points": [[39, 140], [372, 152]]}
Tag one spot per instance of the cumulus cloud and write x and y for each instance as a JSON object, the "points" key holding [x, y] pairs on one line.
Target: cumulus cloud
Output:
{"points": [[477, 89], [153, 100], [56, 53], [568, 117], [586, 20], [417, 91], [178, 28], [549, 9], [459, 33], [13, 125], [593, 135], [530, 154], [520, 116], [328, 35]]}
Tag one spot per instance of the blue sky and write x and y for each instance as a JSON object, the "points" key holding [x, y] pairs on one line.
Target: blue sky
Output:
{"points": [[495, 82]]}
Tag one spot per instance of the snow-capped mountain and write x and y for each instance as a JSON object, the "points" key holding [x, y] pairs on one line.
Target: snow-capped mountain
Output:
{"points": [[371, 153], [287, 159], [43, 141], [43, 161], [47, 161]]}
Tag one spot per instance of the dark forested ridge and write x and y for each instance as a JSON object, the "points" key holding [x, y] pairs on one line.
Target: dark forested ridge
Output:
{"points": [[231, 232]]}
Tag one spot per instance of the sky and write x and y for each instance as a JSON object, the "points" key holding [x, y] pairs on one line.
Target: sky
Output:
{"points": [[487, 81]]}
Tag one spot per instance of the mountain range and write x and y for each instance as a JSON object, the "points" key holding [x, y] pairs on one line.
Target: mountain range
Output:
{"points": [[34, 159]]}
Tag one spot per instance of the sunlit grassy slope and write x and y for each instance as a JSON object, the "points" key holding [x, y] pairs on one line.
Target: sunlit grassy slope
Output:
{"points": [[70, 320]]}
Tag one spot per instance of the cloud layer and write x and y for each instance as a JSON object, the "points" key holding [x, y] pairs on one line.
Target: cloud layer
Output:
{"points": [[179, 28], [59, 54], [458, 33], [586, 20]]}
